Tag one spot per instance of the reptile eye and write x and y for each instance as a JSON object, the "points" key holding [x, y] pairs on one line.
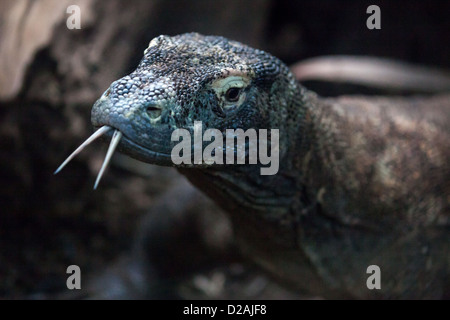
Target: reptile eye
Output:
{"points": [[232, 94]]}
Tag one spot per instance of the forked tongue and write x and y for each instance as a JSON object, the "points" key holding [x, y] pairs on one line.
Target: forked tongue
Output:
{"points": [[112, 147]]}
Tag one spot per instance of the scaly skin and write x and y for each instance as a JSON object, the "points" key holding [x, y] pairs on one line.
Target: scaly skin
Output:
{"points": [[362, 181]]}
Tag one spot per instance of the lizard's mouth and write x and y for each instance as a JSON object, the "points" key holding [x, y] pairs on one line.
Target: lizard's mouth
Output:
{"points": [[125, 144]]}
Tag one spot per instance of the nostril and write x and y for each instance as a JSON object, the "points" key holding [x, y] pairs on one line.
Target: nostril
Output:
{"points": [[153, 112]]}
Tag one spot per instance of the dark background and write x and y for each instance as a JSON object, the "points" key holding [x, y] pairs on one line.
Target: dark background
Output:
{"points": [[50, 77]]}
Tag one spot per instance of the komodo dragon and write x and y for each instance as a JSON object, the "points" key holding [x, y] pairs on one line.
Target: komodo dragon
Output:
{"points": [[362, 180]]}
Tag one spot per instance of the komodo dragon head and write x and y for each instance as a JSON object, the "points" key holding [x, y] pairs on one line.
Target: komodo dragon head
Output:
{"points": [[188, 78]]}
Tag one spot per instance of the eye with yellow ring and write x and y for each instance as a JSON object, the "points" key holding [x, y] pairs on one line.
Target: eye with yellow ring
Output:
{"points": [[231, 90]]}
